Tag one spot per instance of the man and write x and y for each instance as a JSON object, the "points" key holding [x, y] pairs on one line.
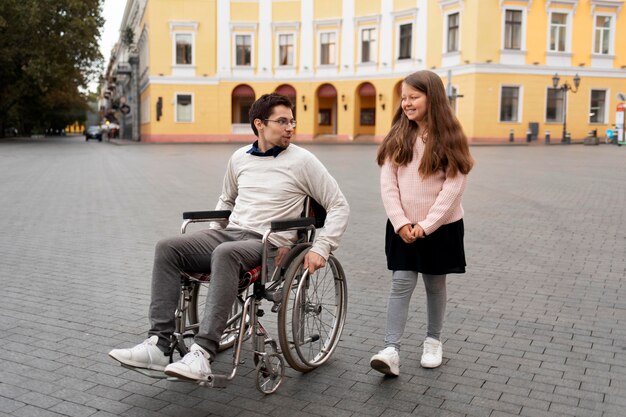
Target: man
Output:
{"points": [[264, 182]]}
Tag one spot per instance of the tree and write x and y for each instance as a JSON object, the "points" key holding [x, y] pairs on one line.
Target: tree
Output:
{"points": [[48, 53]]}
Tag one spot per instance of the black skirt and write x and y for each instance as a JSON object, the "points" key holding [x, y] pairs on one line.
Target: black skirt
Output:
{"points": [[439, 253]]}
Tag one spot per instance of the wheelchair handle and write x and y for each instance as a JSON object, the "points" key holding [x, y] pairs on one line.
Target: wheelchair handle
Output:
{"points": [[208, 215], [300, 223]]}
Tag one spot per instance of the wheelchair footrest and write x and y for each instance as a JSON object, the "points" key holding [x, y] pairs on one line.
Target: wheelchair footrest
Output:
{"points": [[215, 381], [151, 373]]}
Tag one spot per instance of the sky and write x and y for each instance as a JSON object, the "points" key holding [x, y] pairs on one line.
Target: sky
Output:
{"points": [[112, 12]]}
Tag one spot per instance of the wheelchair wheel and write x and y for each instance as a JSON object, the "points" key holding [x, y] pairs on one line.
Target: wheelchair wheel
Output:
{"points": [[312, 314], [270, 371], [195, 311]]}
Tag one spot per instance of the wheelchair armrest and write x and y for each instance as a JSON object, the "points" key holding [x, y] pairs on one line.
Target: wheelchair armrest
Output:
{"points": [[206, 215], [203, 216], [299, 223]]}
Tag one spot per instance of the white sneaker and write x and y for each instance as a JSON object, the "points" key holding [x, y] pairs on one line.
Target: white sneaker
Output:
{"points": [[145, 355], [433, 353], [193, 366], [387, 361]]}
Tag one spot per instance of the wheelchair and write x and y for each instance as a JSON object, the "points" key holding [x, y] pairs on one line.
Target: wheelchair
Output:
{"points": [[311, 307]]}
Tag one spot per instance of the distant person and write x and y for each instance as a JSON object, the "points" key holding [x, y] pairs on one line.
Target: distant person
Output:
{"points": [[425, 160], [266, 181]]}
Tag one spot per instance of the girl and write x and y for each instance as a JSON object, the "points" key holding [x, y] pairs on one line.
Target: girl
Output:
{"points": [[425, 160]]}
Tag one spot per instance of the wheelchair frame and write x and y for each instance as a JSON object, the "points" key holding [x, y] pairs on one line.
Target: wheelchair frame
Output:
{"points": [[300, 299]]}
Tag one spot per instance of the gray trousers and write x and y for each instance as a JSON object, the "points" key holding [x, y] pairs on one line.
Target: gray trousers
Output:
{"points": [[225, 254], [402, 285]]}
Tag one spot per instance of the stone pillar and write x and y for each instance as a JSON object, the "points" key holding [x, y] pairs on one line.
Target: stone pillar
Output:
{"points": [[134, 98]]}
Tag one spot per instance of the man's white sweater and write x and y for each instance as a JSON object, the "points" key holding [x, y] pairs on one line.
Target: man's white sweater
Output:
{"points": [[262, 189]]}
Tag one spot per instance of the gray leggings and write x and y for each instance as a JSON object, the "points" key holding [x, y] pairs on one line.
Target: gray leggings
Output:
{"points": [[402, 285], [223, 253]]}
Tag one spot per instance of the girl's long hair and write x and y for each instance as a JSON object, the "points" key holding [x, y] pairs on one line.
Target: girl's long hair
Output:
{"points": [[446, 144]]}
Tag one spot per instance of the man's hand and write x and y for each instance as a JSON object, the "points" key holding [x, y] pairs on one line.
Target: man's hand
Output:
{"points": [[313, 261]]}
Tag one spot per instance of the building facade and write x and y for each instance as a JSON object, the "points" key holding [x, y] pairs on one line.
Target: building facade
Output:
{"points": [[192, 68]]}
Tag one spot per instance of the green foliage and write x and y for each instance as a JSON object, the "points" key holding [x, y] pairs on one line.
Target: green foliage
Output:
{"points": [[48, 53], [128, 36]]}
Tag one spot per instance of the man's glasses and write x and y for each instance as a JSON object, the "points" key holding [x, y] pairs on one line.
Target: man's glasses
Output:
{"points": [[282, 122]]}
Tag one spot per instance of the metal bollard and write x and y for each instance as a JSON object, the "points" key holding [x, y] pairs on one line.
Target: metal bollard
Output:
{"points": [[511, 135], [547, 137], [568, 138], [529, 136]]}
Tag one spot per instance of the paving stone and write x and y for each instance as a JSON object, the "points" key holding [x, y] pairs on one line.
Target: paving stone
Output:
{"points": [[534, 328]]}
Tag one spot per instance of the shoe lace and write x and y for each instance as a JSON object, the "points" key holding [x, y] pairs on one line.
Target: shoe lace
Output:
{"points": [[430, 347], [142, 346], [196, 357]]}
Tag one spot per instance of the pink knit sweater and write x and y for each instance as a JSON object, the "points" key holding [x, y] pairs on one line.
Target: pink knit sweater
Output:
{"points": [[410, 199]]}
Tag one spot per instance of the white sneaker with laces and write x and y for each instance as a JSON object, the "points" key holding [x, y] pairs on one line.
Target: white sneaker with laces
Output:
{"points": [[145, 355], [193, 366], [433, 353], [387, 361]]}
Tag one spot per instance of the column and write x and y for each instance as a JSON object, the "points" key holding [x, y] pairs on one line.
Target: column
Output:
{"points": [[264, 52], [307, 40], [386, 35], [223, 38], [347, 38]]}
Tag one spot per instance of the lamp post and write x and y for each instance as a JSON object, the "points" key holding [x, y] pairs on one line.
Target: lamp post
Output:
{"points": [[565, 87]]}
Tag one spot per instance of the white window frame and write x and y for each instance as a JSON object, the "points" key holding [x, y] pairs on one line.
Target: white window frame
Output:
{"points": [[183, 27], [234, 46], [613, 18], [523, 10], [563, 106], [373, 51], [319, 51], [294, 49], [193, 103], [412, 47], [193, 49], [605, 116], [518, 116], [568, 31], [446, 29]]}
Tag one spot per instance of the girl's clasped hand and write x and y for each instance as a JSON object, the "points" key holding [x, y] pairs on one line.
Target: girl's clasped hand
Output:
{"points": [[409, 233]]}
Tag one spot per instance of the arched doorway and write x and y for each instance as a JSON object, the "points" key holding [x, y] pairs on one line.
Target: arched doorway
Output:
{"points": [[289, 91], [326, 98], [242, 98], [366, 109]]}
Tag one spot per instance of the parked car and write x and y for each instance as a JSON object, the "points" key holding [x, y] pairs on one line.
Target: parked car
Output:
{"points": [[93, 132]]}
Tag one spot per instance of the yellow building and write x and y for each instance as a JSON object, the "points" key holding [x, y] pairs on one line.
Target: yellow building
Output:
{"points": [[197, 65]]}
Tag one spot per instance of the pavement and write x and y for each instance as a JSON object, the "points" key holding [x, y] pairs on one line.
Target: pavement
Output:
{"points": [[536, 327]]}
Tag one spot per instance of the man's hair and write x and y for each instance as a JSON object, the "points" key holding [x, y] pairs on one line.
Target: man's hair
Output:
{"points": [[264, 106]]}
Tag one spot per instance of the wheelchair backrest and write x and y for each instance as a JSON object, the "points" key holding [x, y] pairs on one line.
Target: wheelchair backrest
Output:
{"points": [[314, 209]]}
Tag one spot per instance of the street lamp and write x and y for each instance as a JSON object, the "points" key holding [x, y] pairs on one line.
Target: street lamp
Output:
{"points": [[565, 87]]}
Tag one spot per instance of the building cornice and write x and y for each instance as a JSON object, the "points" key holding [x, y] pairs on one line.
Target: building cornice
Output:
{"points": [[447, 3], [529, 3], [327, 22], [183, 25], [607, 4], [243, 26], [404, 13], [571, 3]]}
